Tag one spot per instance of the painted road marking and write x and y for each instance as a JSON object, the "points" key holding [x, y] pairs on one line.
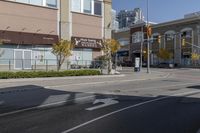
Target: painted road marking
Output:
{"points": [[106, 102], [127, 108], [46, 105]]}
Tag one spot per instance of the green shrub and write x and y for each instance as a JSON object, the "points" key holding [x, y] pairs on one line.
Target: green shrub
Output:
{"points": [[40, 74]]}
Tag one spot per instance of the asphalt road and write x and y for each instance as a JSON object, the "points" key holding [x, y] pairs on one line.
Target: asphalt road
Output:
{"points": [[169, 104]]}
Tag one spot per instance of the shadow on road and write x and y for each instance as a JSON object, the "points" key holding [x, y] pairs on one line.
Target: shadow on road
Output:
{"points": [[178, 114], [15, 98]]}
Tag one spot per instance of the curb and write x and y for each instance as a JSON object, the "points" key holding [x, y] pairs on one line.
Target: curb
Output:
{"points": [[57, 78]]}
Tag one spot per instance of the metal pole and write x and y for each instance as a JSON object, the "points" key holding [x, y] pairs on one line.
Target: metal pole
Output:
{"points": [[46, 65], [141, 52], [9, 65], [116, 61], [148, 51]]}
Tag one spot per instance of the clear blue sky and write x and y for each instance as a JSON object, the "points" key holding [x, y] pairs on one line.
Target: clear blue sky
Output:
{"points": [[160, 10]]}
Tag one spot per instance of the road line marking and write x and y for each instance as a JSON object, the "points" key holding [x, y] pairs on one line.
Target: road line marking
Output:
{"points": [[126, 108], [103, 82], [45, 105]]}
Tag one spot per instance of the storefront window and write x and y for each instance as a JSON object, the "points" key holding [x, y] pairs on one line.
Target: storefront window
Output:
{"points": [[87, 8], [23, 1], [169, 37], [36, 2], [76, 5], [51, 3], [137, 37], [97, 8]]}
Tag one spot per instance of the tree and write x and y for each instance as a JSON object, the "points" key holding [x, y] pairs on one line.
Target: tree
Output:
{"points": [[62, 50], [164, 54], [110, 46], [195, 57]]}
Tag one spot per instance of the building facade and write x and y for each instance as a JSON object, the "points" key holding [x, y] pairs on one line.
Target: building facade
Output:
{"points": [[86, 23], [172, 34], [127, 18], [28, 28], [27, 31], [138, 43], [171, 37], [123, 36], [115, 23]]}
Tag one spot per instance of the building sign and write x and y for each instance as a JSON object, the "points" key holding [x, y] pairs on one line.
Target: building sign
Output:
{"points": [[80, 42]]}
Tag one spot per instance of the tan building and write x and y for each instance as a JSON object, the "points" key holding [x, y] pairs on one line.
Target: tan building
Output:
{"points": [[27, 30], [172, 35], [86, 23], [169, 36]]}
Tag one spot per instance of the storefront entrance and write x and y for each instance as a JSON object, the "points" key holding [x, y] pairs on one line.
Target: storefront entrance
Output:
{"points": [[22, 59]]}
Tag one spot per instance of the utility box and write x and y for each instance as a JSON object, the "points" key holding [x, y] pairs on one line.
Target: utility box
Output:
{"points": [[137, 64]]}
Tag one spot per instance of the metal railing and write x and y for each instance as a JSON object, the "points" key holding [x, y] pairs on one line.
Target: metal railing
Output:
{"points": [[48, 64]]}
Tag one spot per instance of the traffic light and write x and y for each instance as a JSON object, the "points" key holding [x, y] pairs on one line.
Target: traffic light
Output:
{"points": [[159, 39], [183, 42], [149, 31]]}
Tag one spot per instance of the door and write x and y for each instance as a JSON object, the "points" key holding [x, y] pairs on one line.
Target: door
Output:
{"points": [[27, 59], [22, 59], [18, 59]]}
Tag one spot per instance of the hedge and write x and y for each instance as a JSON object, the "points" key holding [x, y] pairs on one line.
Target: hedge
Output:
{"points": [[40, 74]]}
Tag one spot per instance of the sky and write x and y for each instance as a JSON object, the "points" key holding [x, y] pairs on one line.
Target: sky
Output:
{"points": [[160, 10]]}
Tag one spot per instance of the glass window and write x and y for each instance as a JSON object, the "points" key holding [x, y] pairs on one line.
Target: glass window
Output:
{"points": [[87, 6], [36, 2], [137, 37], [23, 1], [97, 8], [51, 3], [76, 5], [169, 37]]}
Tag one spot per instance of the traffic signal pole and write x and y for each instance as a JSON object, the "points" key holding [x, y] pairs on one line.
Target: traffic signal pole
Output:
{"points": [[148, 36]]}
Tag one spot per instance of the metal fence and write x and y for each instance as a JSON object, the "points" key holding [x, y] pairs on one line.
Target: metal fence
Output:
{"points": [[48, 64]]}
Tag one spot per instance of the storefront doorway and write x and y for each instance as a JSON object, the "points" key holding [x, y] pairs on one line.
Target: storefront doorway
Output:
{"points": [[22, 59]]}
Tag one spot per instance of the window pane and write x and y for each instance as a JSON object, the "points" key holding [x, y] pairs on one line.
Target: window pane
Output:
{"points": [[87, 6], [36, 2], [76, 5], [97, 8], [23, 1], [52, 3]]}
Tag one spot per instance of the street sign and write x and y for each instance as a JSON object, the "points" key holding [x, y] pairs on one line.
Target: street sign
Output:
{"points": [[106, 102]]}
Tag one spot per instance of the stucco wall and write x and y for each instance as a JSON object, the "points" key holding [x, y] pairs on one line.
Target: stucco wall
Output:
{"points": [[86, 26], [27, 18]]}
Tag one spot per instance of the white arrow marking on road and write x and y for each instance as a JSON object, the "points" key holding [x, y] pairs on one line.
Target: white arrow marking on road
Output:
{"points": [[107, 102]]}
